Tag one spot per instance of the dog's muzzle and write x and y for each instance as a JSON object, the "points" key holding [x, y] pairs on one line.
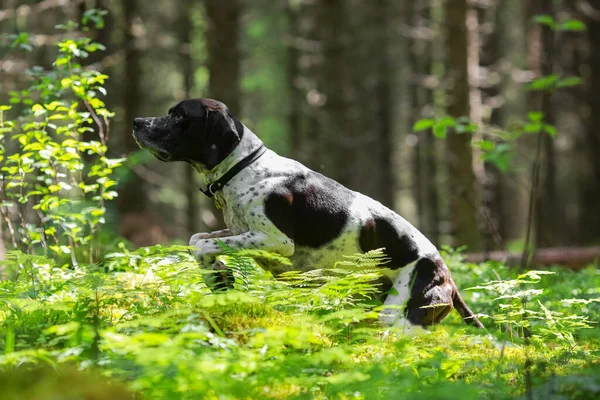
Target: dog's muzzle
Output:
{"points": [[143, 125]]}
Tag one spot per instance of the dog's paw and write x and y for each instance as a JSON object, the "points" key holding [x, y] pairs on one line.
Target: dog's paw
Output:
{"points": [[221, 278], [205, 259], [198, 236]]}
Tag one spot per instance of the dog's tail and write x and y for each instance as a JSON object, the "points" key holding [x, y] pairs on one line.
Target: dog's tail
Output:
{"points": [[465, 312]]}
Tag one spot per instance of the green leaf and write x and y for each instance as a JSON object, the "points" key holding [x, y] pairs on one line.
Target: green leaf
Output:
{"points": [[547, 20], [572, 25], [486, 145], [423, 124], [533, 127], [550, 130], [569, 81], [536, 116], [440, 131], [62, 61], [53, 105], [544, 82], [466, 128], [449, 121]]}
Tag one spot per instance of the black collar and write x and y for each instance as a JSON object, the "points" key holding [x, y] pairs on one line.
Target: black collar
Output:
{"points": [[219, 183]]}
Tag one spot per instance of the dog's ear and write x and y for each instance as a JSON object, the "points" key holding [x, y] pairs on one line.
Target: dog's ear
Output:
{"points": [[223, 133]]}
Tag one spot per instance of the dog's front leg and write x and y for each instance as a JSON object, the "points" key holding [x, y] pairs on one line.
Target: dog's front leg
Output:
{"points": [[222, 278], [394, 305], [209, 235], [207, 249]]}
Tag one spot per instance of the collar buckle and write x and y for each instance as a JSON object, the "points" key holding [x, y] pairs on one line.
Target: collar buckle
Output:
{"points": [[212, 189]]}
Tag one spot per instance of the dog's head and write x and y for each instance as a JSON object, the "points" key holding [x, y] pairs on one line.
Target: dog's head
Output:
{"points": [[199, 131]]}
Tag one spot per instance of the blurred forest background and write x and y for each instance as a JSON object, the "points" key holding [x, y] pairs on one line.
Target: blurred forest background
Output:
{"points": [[339, 86]]}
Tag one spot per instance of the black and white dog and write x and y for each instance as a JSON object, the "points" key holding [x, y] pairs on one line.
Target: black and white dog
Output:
{"points": [[277, 204]]}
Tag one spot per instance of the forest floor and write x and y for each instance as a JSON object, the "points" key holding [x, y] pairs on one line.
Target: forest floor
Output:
{"points": [[147, 320]]}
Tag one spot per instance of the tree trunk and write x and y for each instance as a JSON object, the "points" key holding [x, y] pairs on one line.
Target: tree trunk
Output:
{"points": [[224, 61], [424, 157], [304, 99], [224, 58], [510, 194], [550, 219], [130, 198], [332, 81], [385, 192], [463, 190], [591, 214], [184, 36], [293, 73]]}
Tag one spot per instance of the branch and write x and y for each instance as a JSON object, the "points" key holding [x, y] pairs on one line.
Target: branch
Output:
{"points": [[25, 10], [573, 257], [588, 10], [149, 176]]}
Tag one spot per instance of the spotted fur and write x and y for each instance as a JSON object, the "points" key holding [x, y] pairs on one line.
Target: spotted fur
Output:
{"points": [[279, 205]]}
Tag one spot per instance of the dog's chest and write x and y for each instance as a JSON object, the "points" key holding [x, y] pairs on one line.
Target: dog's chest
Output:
{"points": [[244, 205], [240, 213]]}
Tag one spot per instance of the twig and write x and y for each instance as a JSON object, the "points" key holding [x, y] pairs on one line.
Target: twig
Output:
{"points": [[588, 10], [532, 195], [149, 176], [97, 121]]}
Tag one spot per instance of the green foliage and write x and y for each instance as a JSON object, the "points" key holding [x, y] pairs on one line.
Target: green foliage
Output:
{"points": [[56, 176], [568, 25], [148, 319], [497, 147], [515, 318], [440, 126], [553, 81], [498, 144]]}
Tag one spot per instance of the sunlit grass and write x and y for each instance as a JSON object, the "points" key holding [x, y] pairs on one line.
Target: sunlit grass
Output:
{"points": [[155, 326]]}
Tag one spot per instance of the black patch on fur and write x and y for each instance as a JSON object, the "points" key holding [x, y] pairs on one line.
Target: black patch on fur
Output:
{"points": [[310, 209], [400, 248], [429, 273]]}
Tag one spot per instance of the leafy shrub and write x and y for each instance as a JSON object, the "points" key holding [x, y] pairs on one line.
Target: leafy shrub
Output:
{"points": [[55, 173]]}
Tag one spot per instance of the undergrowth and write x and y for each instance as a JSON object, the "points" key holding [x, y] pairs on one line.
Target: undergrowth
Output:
{"points": [[146, 318]]}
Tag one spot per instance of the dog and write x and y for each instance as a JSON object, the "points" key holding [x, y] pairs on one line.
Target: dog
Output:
{"points": [[277, 204]]}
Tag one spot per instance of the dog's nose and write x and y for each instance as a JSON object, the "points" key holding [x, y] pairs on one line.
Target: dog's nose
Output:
{"points": [[137, 122]]}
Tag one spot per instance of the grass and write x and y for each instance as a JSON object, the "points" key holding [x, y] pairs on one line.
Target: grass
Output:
{"points": [[146, 320]]}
